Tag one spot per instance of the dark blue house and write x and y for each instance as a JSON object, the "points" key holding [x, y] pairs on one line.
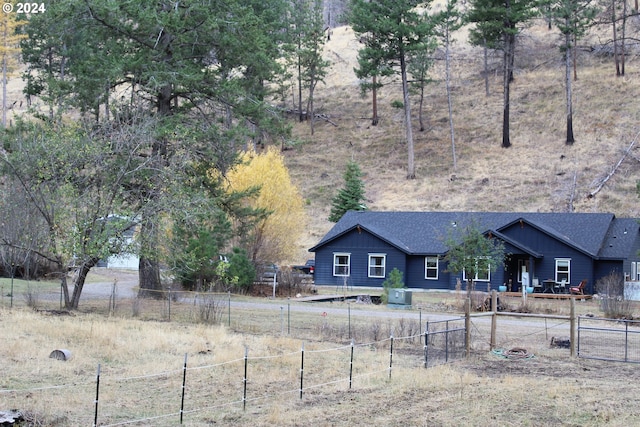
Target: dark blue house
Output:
{"points": [[363, 247]]}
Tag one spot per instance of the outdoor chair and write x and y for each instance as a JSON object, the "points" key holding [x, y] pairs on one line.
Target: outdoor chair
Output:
{"points": [[562, 286], [537, 286], [578, 290]]}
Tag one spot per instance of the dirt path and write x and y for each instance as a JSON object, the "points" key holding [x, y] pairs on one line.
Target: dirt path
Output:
{"points": [[101, 281], [100, 285]]}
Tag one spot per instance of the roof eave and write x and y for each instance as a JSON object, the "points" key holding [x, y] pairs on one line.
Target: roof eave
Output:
{"points": [[555, 236], [361, 227]]}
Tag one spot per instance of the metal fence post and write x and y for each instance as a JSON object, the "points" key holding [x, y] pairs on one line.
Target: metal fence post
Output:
{"points": [[244, 379], [467, 326], [184, 387], [390, 356], [301, 369], [572, 326], [95, 415], [351, 366], [426, 341]]}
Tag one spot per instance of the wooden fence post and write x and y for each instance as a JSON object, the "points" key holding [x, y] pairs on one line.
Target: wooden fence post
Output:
{"points": [[494, 317], [467, 326], [572, 326]]}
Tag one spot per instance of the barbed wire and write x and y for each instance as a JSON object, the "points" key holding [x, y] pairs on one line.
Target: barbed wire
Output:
{"points": [[478, 331]]}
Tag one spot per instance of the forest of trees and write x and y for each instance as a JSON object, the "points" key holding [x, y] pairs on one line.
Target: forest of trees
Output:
{"points": [[141, 114]]}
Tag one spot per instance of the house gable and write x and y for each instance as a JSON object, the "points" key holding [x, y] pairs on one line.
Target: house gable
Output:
{"points": [[360, 248], [586, 238]]}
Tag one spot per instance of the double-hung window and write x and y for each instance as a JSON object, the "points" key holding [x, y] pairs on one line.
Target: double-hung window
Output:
{"points": [[377, 265], [635, 271], [341, 264], [431, 268], [481, 276], [563, 270]]}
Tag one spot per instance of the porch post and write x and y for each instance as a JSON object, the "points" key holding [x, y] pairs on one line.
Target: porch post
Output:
{"points": [[533, 267]]}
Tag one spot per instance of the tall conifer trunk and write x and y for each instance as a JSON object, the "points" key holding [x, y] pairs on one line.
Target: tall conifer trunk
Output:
{"points": [[148, 265], [507, 76], [411, 168], [567, 58]]}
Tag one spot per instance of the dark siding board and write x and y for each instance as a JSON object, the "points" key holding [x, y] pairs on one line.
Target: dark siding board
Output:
{"points": [[359, 245], [529, 236], [632, 257], [582, 265], [451, 279], [602, 269], [497, 278], [416, 272]]}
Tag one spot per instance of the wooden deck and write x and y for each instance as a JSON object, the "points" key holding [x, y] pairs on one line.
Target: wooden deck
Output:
{"points": [[545, 295], [331, 298]]}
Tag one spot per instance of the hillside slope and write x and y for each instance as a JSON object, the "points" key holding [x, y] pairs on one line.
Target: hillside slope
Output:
{"points": [[538, 173]]}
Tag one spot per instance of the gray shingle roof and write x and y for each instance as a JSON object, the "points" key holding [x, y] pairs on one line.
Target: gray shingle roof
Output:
{"points": [[620, 238], [597, 234]]}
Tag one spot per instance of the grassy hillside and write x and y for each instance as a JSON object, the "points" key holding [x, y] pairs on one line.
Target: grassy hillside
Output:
{"points": [[538, 173]]}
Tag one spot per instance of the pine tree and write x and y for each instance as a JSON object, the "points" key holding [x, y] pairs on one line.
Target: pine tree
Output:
{"points": [[390, 31], [309, 38], [473, 253], [497, 24], [200, 69], [573, 18], [351, 197]]}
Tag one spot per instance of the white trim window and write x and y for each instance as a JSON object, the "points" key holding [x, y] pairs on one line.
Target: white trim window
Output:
{"points": [[635, 271], [481, 276], [431, 267], [377, 265], [341, 264], [563, 270]]}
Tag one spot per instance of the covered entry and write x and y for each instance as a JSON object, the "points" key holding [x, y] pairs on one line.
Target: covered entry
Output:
{"points": [[520, 265]]}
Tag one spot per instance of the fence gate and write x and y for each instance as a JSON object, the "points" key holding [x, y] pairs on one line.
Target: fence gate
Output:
{"points": [[609, 339], [444, 341]]}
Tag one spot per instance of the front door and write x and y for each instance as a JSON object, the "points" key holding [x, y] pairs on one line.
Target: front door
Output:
{"points": [[524, 274], [513, 272]]}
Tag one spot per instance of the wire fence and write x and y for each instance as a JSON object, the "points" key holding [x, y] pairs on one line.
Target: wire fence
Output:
{"points": [[366, 350], [213, 392], [200, 394], [609, 339], [445, 341]]}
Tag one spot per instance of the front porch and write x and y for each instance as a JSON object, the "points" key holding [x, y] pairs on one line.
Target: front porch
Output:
{"points": [[545, 295]]}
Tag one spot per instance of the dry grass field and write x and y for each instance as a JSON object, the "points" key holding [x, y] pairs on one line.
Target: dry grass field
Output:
{"points": [[142, 348], [142, 365], [141, 357]]}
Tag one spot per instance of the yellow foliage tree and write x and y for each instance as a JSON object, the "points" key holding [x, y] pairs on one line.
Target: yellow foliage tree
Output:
{"points": [[9, 50], [274, 238]]}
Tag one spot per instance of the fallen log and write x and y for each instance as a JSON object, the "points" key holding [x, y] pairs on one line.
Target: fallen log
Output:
{"points": [[604, 180]]}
